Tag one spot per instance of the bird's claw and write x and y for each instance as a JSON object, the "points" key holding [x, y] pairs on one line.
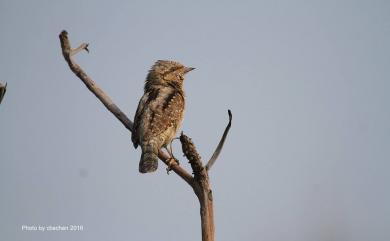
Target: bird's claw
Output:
{"points": [[172, 161]]}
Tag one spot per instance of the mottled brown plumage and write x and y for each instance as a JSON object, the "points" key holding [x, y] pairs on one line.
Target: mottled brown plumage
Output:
{"points": [[160, 111]]}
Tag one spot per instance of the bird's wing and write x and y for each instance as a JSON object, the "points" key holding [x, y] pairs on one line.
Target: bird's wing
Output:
{"points": [[138, 119], [167, 113]]}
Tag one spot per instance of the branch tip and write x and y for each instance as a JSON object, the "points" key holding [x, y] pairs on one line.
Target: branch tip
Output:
{"points": [[221, 143], [3, 89], [86, 47], [64, 33], [83, 46]]}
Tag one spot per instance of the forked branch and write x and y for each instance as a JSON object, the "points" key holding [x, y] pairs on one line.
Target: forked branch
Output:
{"points": [[201, 188], [199, 182], [68, 52]]}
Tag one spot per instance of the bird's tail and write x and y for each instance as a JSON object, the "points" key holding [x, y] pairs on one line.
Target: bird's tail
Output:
{"points": [[149, 160]]}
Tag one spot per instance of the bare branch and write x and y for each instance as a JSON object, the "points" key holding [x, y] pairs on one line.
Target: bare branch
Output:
{"points": [[3, 89], [200, 182], [192, 155], [220, 145], [83, 46], [201, 188], [68, 52], [176, 168]]}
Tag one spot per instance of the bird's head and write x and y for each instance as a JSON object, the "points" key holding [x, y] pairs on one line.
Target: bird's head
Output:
{"points": [[167, 72]]}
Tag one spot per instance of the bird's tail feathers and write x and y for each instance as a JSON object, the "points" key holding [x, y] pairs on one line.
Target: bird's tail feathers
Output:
{"points": [[149, 160]]}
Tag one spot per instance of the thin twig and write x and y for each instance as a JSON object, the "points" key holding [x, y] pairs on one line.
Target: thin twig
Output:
{"points": [[220, 145], [68, 52], [83, 46]]}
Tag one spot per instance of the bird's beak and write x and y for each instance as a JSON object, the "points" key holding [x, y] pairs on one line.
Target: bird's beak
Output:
{"points": [[188, 69]]}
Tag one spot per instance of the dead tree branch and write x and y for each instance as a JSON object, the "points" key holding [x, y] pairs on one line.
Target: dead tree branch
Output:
{"points": [[68, 52], [220, 145], [201, 188], [3, 89], [199, 182]]}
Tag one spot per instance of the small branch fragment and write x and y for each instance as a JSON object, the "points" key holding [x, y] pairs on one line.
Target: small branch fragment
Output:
{"points": [[3, 89], [220, 145], [83, 46]]}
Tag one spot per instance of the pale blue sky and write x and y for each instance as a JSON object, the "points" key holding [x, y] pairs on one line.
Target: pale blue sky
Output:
{"points": [[307, 82]]}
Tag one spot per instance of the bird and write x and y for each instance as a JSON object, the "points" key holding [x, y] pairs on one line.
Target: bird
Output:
{"points": [[160, 112]]}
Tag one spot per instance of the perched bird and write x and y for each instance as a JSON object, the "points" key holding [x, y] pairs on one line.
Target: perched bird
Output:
{"points": [[160, 111]]}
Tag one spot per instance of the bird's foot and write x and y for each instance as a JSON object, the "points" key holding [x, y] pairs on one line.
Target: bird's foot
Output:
{"points": [[171, 162]]}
